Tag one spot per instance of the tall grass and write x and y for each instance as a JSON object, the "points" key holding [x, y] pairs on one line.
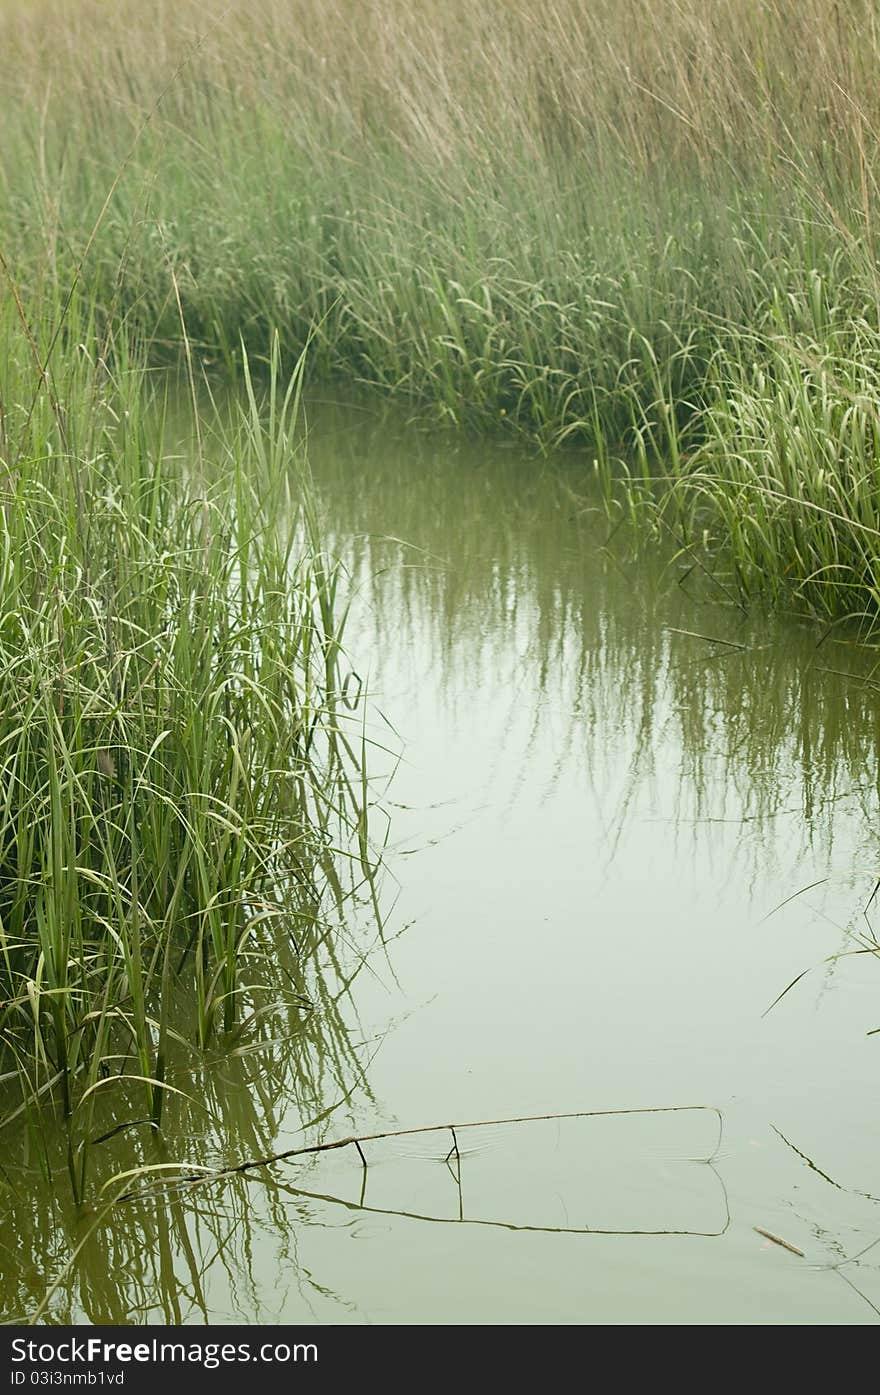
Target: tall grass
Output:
{"points": [[174, 780], [646, 228]]}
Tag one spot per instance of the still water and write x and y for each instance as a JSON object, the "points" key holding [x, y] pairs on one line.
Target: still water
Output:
{"points": [[589, 812]]}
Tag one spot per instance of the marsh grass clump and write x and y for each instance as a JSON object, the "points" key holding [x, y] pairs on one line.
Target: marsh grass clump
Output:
{"points": [[787, 475], [175, 783]]}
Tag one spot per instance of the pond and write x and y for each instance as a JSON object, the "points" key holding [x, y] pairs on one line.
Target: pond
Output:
{"points": [[621, 816]]}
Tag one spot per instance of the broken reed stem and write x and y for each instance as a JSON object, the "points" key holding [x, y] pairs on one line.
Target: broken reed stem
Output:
{"points": [[778, 1240], [454, 1148], [356, 1140]]}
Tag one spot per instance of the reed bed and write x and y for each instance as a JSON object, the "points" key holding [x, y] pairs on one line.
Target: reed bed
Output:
{"points": [[645, 229], [177, 791]]}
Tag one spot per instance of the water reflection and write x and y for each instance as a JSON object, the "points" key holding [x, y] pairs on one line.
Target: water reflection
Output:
{"points": [[508, 575], [609, 774], [295, 1064]]}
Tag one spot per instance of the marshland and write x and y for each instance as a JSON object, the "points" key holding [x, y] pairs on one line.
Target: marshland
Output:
{"points": [[439, 468]]}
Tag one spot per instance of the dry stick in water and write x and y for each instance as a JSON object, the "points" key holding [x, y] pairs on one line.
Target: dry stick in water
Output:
{"points": [[356, 1140], [777, 1240], [711, 639]]}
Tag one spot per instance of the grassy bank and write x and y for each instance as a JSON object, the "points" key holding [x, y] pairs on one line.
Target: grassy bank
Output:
{"points": [[173, 777], [647, 229]]}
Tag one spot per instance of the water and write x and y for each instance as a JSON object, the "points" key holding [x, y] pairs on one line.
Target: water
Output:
{"points": [[589, 816]]}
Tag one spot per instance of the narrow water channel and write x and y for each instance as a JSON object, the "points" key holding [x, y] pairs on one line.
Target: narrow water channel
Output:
{"points": [[599, 777]]}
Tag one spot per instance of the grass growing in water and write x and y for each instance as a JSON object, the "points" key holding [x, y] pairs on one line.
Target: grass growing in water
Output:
{"points": [[174, 781], [646, 229]]}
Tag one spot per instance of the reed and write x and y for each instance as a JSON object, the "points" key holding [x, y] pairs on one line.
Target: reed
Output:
{"points": [[648, 230], [174, 777]]}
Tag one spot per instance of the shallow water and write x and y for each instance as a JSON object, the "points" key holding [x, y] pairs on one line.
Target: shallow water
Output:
{"points": [[590, 815]]}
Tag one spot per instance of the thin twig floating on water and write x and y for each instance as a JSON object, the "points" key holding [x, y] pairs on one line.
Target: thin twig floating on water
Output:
{"points": [[853, 677], [710, 639], [778, 1240], [814, 1167], [357, 1140]]}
